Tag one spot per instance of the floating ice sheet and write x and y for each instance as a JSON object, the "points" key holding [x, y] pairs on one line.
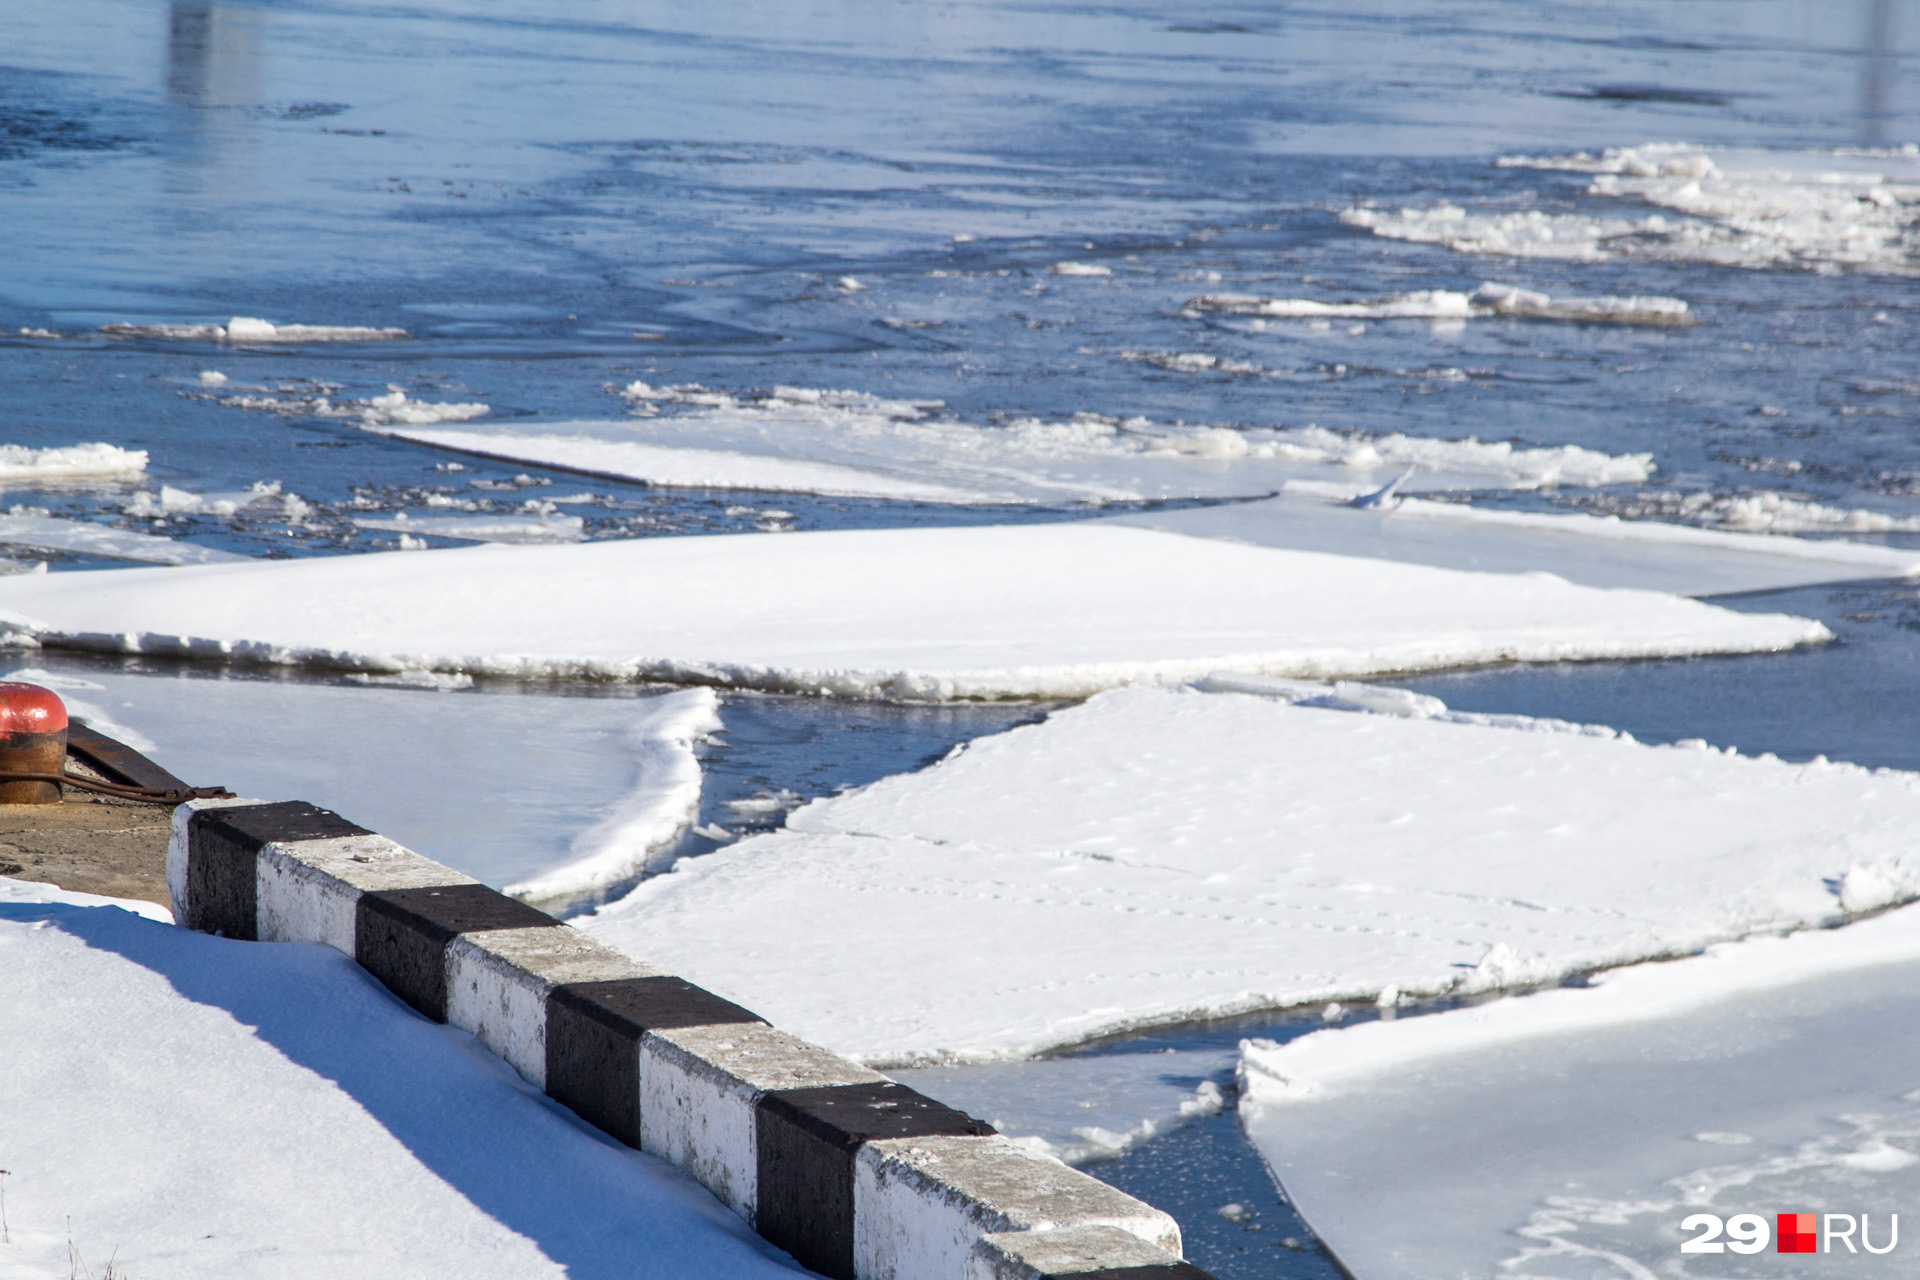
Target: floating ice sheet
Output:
{"points": [[200, 1103], [1598, 551], [850, 444], [499, 785], [33, 527], [1445, 304], [510, 529], [1050, 610], [250, 329], [1762, 1076], [1155, 855], [1828, 210]]}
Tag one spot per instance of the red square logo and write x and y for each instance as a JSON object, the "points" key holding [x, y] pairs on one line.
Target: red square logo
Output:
{"points": [[1795, 1233]]}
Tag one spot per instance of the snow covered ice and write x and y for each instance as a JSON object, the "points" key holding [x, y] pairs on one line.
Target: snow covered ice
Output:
{"points": [[200, 1103], [1059, 610], [1159, 855], [854, 444], [1761, 1076], [1443, 304]]}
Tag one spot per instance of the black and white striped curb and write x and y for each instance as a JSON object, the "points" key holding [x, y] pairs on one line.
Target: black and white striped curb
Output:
{"points": [[857, 1177]]}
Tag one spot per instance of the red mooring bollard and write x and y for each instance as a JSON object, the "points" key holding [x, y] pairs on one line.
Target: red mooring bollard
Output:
{"points": [[33, 739]]}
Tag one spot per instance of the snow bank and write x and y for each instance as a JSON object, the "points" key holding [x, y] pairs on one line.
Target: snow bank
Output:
{"points": [[1828, 210], [1059, 610], [70, 462], [34, 527], [249, 329], [1157, 855], [1597, 551], [662, 804], [1774, 1072], [1443, 304], [845, 443], [187, 1105]]}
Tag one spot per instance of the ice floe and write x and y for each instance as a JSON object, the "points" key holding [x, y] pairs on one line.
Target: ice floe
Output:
{"points": [[1444, 304], [1768, 511], [261, 497], [1595, 550], [510, 529], [1048, 610], [34, 527], [662, 804], [1828, 210], [1777, 1070], [251, 329], [846, 443], [498, 785], [200, 1103], [19, 463], [1159, 855]]}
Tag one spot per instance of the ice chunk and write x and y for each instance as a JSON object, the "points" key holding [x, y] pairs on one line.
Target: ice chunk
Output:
{"points": [[1044, 610], [1080, 269], [510, 529], [251, 329], [78, 461], [661, 805], [1851, 208], [1157, 855], [395, 408]]}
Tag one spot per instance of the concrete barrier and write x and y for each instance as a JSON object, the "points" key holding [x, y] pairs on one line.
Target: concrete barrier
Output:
{"points": [[859, 1178]]}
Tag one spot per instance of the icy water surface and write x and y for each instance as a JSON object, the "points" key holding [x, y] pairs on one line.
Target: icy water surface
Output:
{"points": [[1023, 212]]}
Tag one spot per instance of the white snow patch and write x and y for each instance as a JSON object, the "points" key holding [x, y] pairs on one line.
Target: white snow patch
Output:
{"points": [[1159, 855], [661, 805], [70, 462], [1827, 210], [1010, 611]]}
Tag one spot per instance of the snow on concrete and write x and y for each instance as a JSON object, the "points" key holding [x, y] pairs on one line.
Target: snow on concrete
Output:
{"points": [[1762, 1075], [190, 1106], [663, 802], [97, 461], [1596, 551], [1851, 208], [1156, 855], [35, 527], [252, 329], [1059, 610], [497, 785], [1489, 299], [847, 443]]}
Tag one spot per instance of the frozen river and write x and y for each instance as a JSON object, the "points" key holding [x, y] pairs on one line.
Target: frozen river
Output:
{"points": [[592, 271]]}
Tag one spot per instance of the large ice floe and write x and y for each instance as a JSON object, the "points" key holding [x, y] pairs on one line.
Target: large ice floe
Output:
{"points": [[39, 530], [1157, 855], [200, 1104], [1446, 304], [1828, 210], [1765, 1075], [851, 444], [246, 329], [1595, 550], [1004, 611]]}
